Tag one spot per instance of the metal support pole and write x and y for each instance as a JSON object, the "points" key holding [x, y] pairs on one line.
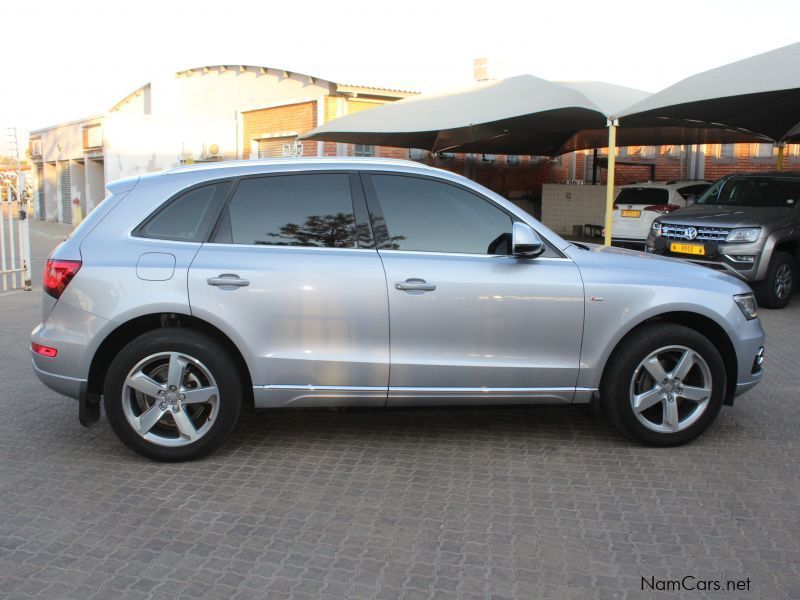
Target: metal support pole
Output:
{"points": [[612, 151], [781, 152], [3, 247]]}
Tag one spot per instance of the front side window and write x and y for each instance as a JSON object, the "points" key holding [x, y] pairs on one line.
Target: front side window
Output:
{"points": [[189, 217], [313, 210], [432, 216]]}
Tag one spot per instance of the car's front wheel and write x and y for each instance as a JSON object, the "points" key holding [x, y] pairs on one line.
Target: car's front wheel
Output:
{"points": [[664, 385], [173, 394], [777, 289]]}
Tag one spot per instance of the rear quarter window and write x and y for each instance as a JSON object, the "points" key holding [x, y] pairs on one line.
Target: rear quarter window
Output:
{"points": [[187, 217]]}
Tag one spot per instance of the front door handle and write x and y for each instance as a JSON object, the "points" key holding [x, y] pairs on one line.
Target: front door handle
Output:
{"points": [[228, 280], [415, 285]]}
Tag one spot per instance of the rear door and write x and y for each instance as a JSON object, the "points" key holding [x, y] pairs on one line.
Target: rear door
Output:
{"points": [[296, 282]]}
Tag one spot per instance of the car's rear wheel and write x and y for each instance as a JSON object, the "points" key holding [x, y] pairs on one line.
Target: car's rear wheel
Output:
{"points": [[664, 385], [777, 289], [173, 394]]}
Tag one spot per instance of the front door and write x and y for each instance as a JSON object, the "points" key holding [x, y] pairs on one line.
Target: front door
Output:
{"points": [[287, 279], [468, 320]]}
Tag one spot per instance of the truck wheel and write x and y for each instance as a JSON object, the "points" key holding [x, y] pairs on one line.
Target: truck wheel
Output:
{"points": [[664, 385], [173, 394], [777, 289]]}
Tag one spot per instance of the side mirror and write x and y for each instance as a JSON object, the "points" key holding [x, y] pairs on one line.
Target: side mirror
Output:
{"points": [[525, 242]]}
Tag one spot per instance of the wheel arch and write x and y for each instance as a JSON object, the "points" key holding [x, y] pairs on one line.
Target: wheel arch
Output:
{"points": [[703, 325], [124, 333]]}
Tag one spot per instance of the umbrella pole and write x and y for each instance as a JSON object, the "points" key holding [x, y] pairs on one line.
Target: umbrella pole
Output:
{"points": [[781, 150], [612, 156]]}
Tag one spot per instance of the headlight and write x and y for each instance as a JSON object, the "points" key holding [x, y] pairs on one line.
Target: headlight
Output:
{"points": [[743, 234], [656, 228], [747, 304]]}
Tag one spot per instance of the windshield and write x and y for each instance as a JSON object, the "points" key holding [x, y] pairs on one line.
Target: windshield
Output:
{"points": [[753, 191], [643, 195]]}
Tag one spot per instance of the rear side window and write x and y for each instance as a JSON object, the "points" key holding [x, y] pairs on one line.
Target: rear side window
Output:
{"points": [[187, 218], [314, 210], [649, 196]]}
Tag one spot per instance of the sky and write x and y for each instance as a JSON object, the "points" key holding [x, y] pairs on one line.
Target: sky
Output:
{"points": [[77, 59]]}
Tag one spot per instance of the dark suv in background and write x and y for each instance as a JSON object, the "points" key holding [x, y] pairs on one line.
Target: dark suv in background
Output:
{"points": [[747, 225]]}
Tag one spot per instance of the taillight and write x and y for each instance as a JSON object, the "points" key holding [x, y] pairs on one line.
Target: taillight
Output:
{"points": [[44, 350], [662, 208], [58, 274]]}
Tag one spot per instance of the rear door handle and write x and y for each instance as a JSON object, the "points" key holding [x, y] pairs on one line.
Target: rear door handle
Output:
{"points": [[228, 280], [415, 285]]}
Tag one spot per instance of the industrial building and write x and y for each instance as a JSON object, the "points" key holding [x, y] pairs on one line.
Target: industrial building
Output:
{"points": [[208, 113]]}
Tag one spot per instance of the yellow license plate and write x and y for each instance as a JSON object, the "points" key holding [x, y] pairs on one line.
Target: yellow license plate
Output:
{"points": [[688, 249], [631, 213]]}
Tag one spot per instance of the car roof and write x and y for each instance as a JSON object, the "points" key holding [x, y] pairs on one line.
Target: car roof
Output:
{"points": [[772, 174], [328, 162]]}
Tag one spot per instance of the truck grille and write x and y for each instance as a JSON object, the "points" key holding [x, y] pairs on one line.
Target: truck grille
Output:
{"points": [[671, 231]]}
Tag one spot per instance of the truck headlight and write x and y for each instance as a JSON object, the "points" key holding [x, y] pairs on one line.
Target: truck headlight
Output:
{"points": [[747, 304], [743, 234], [656, 228]]}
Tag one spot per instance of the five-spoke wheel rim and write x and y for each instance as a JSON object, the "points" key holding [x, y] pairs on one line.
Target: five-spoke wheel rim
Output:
{"points": [[671, 389], [170, 399], [783, 281]]}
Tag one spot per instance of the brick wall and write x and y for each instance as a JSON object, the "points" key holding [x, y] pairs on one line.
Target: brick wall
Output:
{"points": [[296, 118]]}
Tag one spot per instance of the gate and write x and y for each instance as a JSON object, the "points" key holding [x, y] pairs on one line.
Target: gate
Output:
{"points": [[15, 245], [65, 187]]}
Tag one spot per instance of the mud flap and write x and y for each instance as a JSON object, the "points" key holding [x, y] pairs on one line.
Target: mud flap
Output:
{"points": [[88, 407]]}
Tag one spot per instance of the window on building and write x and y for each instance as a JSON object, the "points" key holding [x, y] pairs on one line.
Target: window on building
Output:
{"points": [[512, 159], [363, 150], [291, 210], [726, 150], [793, 150], [187, 218], [763, 150], [648, 152], [417, 154], [92, 137], [432, 216]]}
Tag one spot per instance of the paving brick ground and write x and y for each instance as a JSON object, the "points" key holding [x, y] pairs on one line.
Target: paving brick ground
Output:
{"points": [[503, 503]]}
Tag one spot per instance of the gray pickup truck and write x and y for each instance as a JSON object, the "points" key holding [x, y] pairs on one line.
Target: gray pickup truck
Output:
{"points": [[747, 225]]}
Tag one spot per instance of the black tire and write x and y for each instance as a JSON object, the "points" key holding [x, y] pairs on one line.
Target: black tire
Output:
{"points": [[213, 357], [618, 378], [774, 292]]}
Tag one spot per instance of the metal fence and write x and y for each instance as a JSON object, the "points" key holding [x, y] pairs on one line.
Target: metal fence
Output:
{"points": [[15, 246]]}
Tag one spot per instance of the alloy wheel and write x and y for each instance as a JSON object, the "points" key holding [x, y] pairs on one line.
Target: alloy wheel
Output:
{"points": [[170, 399], [671, 389], [783, 281]]}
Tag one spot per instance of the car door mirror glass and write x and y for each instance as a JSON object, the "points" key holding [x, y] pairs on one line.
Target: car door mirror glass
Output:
{"points": [[525, 242]]}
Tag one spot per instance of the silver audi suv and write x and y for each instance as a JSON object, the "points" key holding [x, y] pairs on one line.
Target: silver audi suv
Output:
{"points": [[190, 295]]}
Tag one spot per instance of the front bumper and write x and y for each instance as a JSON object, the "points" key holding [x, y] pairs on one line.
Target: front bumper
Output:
{"points": [[720, 256], [748, 340]]}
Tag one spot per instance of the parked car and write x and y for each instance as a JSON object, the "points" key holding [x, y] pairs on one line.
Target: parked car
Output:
{"points": [[637, 206], [192, 294], [746, 225]]}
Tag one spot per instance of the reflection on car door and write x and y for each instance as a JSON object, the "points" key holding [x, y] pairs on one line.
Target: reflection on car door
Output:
{"points": [[304, 300], [468, 321]]}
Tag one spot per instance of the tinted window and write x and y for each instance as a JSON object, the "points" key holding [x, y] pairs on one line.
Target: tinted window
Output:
{"points": [[431, 216], [693, 190], [753, 191], [291, 210], [649, 196], [189, 217]]}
